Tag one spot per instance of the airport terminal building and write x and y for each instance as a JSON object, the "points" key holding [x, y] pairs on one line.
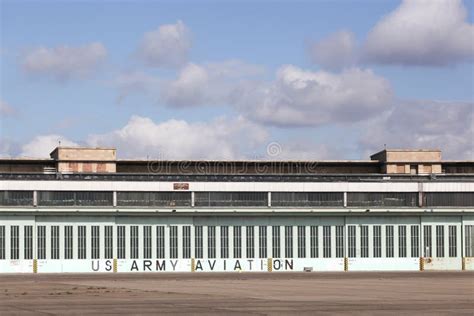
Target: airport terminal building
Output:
{"points": [[83, 210]]}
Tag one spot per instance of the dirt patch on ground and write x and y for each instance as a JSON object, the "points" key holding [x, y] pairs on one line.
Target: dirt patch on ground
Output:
{"points": [[245, 293]]}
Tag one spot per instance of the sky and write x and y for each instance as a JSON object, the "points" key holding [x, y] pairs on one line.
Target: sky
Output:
{"points": [[295, 80]]}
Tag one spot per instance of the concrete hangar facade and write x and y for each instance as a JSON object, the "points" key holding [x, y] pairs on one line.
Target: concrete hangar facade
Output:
{"points": [[83, 210]]}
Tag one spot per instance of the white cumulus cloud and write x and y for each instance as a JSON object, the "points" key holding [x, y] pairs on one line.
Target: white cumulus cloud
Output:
{"points": [[65, 62], [178, 139], [446, 125], [168, 46], [422, 32], [41, 146], [207, 84], [305, 98], [336, 51]]}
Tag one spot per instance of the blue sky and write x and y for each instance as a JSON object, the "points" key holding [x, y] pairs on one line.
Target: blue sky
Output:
{"points": [[323, 79]]}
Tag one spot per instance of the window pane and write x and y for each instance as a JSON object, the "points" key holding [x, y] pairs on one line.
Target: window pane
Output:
{"points": [[327, 241], [458, 199], [382, 199], [262, 241], [16, 198], [2, 242], [288, 241], [68, 248], [211, 241], [186, 242], [339, 241], [54, 242], [41, 231], [109, 242], [307, 199], [250, 242], [198, 242], [28, 242], [402, 241], [224, 241], [364, 241], [314, 242], [14, 242], [427, 241], [230, 199], [377, 241], [95, 242], [389, 240], [147, 242], [439, 241], [469, 240], [415, 242], [352, 238], [121, 242], [153, 199], [134, 242], [237, 242], [301, 241], [81, 242], [452, 241], [173, 242], [276, 252], [75, 198], [160, 242]]}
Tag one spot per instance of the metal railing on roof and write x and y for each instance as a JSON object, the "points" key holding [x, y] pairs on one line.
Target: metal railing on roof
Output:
{"points": [[238, 177]]}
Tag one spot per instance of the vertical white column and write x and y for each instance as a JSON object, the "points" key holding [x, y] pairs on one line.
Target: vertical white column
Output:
{"points": [[35, 241], [255, 240], [346, 239], [307, 234], [333, 241], [357, 243], [269, 242], [459, 242], [371, 240], [383, 241], [282, 241], [395, 241], [295, 241], [8, 241], [408, 238], [446, 240]]}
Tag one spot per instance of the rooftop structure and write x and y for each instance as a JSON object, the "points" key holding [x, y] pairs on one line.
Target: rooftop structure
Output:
{"points": [[71, 160]]}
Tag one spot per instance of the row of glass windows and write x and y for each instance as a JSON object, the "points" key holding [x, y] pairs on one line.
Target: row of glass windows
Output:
{"points": [[237, 199], [357, 241]]}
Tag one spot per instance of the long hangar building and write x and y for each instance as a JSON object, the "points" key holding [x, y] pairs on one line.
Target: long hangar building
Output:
{"points": [[83, 210]]}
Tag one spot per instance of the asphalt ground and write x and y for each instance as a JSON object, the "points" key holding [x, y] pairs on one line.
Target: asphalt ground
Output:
{"points": [[354, 293]]}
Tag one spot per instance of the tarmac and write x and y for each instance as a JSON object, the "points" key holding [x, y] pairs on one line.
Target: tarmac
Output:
{"points": [[348, 293]]}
